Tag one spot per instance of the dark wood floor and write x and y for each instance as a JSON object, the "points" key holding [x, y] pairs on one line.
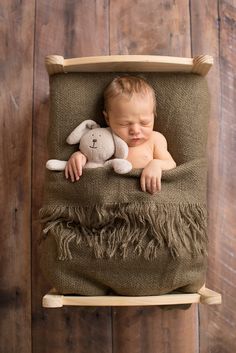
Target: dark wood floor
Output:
{"points": [[30, 30]]}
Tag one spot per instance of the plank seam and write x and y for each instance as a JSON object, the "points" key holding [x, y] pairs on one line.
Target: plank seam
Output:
{"points": [[198, 329], [190, 27], [109, 26], [32, 160], [112, 313]]}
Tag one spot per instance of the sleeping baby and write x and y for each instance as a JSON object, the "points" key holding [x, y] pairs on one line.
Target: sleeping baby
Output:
{"points": [[129, 110]]}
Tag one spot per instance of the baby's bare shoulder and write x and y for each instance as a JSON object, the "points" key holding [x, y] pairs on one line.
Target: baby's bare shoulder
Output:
{"points": [[159, 139]]}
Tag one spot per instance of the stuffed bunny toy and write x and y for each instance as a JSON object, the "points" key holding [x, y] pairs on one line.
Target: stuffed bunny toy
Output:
{"points": [[98, 145]]}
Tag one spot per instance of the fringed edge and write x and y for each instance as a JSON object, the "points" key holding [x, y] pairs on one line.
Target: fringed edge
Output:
{"points": [[128, 229]]}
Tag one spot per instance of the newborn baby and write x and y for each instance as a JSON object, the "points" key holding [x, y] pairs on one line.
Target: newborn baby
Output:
{"points": [[129, 110]]}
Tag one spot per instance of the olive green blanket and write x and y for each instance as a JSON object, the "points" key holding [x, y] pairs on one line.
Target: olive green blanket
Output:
{"points": [[103, 233]]}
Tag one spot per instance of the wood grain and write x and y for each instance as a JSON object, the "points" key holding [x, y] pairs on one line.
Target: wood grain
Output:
{"points": [[150, 27], [149, 330], [16, 77], [222, 332], [217, 331], [70, 28]]}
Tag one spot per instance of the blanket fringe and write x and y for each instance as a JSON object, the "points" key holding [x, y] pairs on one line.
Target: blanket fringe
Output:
{"points": [[132, 229]]}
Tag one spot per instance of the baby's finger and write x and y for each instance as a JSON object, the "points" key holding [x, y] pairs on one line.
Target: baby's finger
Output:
{"points": [[71, 173], [154, 186], [66, 172], [158, 184], [74, 167], [148, 182], [78, 167], [143, 183]]}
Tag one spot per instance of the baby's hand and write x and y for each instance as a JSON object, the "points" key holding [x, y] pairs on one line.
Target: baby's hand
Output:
{"points": [[151, 177], [75, 165]]}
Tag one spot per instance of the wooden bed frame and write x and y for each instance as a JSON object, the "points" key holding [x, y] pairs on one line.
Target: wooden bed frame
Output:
{"points": [[136, 63], [200, 64], [203, 296]]}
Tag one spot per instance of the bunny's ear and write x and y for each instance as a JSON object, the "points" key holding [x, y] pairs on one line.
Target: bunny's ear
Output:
{"points": [[121, 147], [80, 130]]}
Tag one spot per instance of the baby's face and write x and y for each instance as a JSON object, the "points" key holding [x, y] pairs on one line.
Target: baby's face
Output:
{"points": [[132, 119]]}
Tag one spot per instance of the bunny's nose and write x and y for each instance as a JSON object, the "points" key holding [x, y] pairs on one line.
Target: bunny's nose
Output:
{"points": [[94, 140]]}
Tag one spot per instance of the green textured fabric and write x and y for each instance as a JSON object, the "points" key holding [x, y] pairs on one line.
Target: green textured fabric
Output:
{"points": [[104, 234]]}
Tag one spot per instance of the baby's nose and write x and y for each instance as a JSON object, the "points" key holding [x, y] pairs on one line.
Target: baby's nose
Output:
{"points": [[134, 129], [94, 140]]}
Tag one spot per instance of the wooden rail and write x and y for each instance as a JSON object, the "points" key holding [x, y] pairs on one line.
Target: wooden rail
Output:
{"points": [[122, 63], [203, 296]]}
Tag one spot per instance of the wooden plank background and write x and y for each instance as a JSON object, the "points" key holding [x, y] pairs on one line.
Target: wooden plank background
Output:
{"points": [[29, 31]]}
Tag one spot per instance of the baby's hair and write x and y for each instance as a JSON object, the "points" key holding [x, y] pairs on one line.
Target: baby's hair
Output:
{"points": [[126, 86]]}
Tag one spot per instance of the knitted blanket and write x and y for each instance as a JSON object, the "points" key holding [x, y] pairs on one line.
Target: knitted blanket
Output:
{"points": [[103, 233]]}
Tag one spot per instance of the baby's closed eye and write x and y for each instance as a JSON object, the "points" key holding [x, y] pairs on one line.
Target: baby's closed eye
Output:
{"points": [[146, 122], [124, 124]]}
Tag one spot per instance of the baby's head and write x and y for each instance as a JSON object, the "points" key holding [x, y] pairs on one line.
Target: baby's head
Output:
{"points": [[130, 108], [127, 86]]}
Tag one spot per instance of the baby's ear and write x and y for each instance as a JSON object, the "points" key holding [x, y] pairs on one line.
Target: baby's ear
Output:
{"points": [[106, 117]]}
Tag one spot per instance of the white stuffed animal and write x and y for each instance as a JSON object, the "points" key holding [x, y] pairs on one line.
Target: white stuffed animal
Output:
{"points": [[98, 145]]}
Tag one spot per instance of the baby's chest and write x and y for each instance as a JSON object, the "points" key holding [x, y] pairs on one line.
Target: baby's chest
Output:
{"points": [[140, 156]]}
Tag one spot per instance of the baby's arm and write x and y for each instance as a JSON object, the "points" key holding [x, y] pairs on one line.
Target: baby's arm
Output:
{"points": [[75, 165], [162, 160]]}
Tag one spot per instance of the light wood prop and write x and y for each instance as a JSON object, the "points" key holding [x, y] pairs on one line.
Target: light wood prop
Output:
{"points": [[203, 296], [122, 63]]}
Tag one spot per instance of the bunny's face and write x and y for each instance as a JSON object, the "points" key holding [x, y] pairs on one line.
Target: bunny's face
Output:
{"points": [[97, 145]]}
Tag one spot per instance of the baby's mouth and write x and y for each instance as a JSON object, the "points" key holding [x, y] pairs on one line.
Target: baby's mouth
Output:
{"points": [[135, 141]]}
